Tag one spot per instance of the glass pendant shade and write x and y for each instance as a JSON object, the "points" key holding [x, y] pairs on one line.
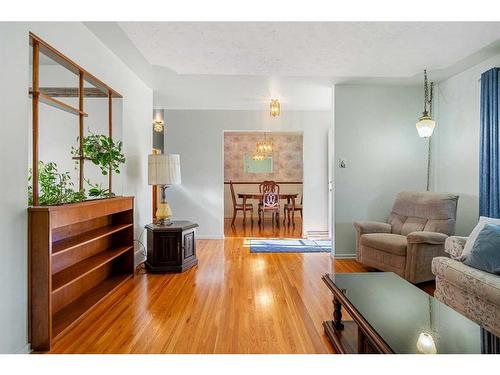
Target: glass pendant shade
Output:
{"points": [[426, 344], [425, 126], [275, 108], [265, 147]]}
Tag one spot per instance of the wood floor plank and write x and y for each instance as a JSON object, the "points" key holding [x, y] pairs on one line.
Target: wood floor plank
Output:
{"points": [[234, 301]]}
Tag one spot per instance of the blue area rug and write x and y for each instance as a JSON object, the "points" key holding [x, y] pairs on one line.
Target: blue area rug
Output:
{"points": [[290, 246]]}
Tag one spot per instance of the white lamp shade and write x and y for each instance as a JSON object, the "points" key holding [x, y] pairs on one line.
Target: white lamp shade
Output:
{"points": [[164, 169], [425, 126]]}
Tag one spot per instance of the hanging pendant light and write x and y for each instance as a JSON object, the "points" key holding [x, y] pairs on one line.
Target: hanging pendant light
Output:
{"points": [[263, 149], [425, 125]]}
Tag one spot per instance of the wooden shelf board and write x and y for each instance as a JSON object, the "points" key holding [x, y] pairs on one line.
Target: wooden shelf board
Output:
{"points": [[72, 92], [70, 243], [49, 100], [76, 310], [75, 272]]}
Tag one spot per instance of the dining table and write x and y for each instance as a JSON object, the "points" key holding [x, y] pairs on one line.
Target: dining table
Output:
{"points": [[290, 198]]}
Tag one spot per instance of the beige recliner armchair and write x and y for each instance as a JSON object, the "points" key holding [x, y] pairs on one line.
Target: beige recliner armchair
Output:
{"points": [[415, 233]]}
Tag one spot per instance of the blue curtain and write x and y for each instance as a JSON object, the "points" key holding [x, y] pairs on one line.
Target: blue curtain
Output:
{"points": [[489, 153]]}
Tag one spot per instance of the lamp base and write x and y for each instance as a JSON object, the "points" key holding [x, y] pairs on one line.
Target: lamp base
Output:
{"points": [[163, 214], [164, 222]]}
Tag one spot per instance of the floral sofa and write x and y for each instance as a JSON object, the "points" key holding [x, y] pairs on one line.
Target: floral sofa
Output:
{"points": [[472, 292]]}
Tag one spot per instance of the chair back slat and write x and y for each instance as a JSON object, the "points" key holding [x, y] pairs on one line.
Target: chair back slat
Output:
{"points": [[233, 196]]}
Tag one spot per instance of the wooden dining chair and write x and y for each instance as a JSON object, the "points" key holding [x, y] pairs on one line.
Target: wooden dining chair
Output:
{"points": [[270, 203], [266, 187], [289, 208], [239, 206], [269, 186]]}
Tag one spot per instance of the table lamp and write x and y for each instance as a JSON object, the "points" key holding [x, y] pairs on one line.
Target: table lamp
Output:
{"points": [[164, 170]]}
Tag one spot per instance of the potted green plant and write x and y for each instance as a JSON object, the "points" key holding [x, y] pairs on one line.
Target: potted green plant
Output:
{"points": [[102, 151], [55, 187]]}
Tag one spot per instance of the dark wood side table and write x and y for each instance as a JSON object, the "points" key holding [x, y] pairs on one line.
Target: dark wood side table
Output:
{"points": [[171, 248]]}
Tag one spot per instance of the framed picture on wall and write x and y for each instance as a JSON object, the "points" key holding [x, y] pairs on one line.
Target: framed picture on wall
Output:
{"points": [[257, 166]]}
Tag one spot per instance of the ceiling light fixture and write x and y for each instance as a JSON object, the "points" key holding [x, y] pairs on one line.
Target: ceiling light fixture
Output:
{"points": [[263, 149], [275, 107], [425, 125]]}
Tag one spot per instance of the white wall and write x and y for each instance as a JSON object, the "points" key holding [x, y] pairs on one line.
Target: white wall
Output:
{"points": [[456, 141], [77, 42], [197, 135], [375, 132]]}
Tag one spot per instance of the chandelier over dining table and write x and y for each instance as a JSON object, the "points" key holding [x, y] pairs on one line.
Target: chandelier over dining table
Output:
{"points": [[263, 149]]}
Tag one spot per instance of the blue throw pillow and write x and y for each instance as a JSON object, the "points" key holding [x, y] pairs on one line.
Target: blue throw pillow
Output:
{"points": [[485, 254]]}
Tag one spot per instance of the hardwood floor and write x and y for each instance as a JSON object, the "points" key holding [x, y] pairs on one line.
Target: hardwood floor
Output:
{"points": [[265, 231], [233, 302]]}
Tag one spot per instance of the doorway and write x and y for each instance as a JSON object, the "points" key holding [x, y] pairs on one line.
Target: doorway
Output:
{"points": [[246, 166]]}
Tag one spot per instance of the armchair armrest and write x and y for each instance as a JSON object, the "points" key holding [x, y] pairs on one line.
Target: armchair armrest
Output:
{"points": [[363, 227], [454, 246], [433, 238]]}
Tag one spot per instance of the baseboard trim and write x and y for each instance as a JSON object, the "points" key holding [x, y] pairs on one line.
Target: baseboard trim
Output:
{"points": [[317, 234], [26, 349], [209, 236], [344, 256]]}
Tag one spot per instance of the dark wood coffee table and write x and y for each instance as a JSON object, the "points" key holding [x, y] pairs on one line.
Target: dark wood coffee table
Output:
{"points": [[390, 315]]}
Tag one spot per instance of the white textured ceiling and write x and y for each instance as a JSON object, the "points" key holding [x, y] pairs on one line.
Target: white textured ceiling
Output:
{"points": [[326, 49]]}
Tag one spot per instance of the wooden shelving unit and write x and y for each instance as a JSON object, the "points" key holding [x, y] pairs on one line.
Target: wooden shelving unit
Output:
{"points": [[53, 102], [70, 314], [79, 254]]}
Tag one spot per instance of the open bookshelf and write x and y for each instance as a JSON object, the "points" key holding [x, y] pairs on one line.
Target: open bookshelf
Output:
{"points": [[79, 254]]}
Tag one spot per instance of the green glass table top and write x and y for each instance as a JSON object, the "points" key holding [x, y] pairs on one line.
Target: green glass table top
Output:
{"points": [[405, 317]]}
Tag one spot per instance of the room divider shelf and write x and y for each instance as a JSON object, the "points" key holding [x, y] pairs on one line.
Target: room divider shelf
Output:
{"points": [[79, 254], [76, 310], [74, 273], [61, 246], [49, 100]]}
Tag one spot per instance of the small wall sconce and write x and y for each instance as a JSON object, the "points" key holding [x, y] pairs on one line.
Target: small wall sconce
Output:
{"points": [[158, 126], [275, 107], [158, 120]]}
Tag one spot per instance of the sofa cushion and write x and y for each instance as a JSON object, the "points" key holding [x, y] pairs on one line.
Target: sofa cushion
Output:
{"points": [[469, 244], [485, 254], [475, 282], [387, 242]]}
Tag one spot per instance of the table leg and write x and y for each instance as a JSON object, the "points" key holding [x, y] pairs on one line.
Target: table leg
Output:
{"points": [[337, 314], [293, 211]]}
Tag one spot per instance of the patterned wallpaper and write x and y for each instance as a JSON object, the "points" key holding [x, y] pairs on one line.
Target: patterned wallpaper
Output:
{"points": [[287, 156]]}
